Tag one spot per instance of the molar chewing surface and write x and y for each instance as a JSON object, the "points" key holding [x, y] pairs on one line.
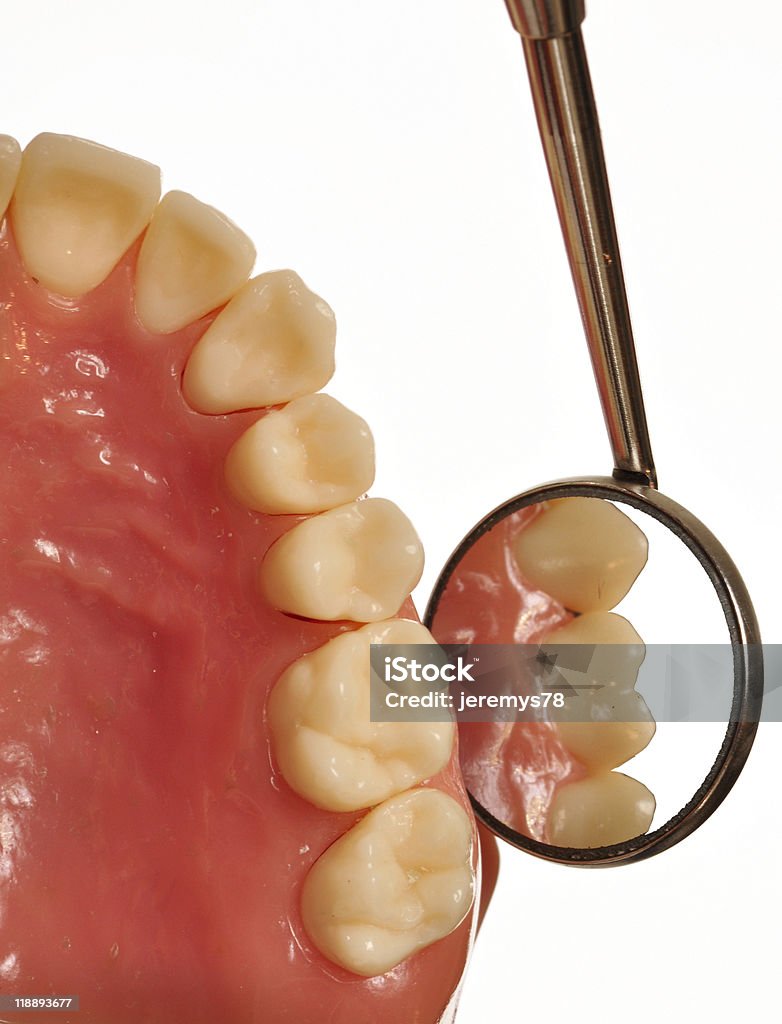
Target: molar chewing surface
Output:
{"points": [[587, 554], [77, 209]]}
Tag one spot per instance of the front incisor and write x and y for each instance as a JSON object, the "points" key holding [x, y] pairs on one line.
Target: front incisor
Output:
{"points": [[322, 737], [310, 456], [273, 342], [192, 260], [399, 880], [583, 552], [601, 810], [357, 562], [77, 208]]}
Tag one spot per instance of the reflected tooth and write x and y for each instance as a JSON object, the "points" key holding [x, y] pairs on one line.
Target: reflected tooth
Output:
{"points": [[584, 552], [77, 208], [10, 161], [609, 650], [599, 811], [274, 341], [310, 456], [398, 881], [606, 728], [327, 748], [356, 562], [192, 260]]}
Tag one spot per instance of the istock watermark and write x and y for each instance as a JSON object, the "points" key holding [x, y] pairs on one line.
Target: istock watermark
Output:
{"points": [[566, 683]]}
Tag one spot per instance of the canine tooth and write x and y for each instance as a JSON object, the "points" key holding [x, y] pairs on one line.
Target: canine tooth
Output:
{"points": [[609, 649], [77, 208], [584, 552], [398, 881], [192, 260], [357, 562], [10, 160], [601, 810], [310, 456], [274, 341], [327, 748]]}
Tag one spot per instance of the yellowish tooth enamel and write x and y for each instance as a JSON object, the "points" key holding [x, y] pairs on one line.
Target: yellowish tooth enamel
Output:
{"points": [[357, 562], [601, 810], [584, 552], [77, 209], [192, 260], [608, 649], [327, 749], [398, 881], [274, 341], [607, 727], [10, 161], [605, 722], [310, 456]]}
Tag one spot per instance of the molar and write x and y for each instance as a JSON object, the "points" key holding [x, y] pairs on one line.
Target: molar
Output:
{"points": [[398, 881], [192, 260], [327, 748], [10, 161], [77, 208], [601, 810], [584, 552], [312, 455], [273, 342], [356, 562], [609, 649]]}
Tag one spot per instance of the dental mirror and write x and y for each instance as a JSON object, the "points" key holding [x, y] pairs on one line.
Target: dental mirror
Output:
{"points": [[525, 592]]}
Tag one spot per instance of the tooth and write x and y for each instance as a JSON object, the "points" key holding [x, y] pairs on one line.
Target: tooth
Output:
{"points": [[608, 649], [605, 722], [398, 881], [601, 810], [605, 728], [77, 208], [327, 749], [584, 552], [308, 457], [274, 341], [192, 260], [356, 562], [10, 160]]}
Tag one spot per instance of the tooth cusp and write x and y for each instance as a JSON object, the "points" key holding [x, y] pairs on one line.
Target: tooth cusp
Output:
{"points": [[77, 208], [327, 748], [273, 342], [10, 162], [602, 810], [399, 880], [192, 260], [310, 456], [584, 552], [357, 562]]}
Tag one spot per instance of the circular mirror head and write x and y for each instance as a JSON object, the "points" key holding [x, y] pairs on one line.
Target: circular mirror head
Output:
{"points": [[611, 670]]}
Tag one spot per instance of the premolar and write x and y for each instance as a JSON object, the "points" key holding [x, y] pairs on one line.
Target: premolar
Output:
{"points": [[10, 161], [77, 208], [356, 562], [399, 880], [192, 260], [602, 810], [310, 456], [327, 748], [274, 341], [607, 650], [584, 552]]}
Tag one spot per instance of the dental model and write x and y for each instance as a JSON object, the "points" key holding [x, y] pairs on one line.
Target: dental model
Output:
{"points": [[198, 821], [549, 575]]}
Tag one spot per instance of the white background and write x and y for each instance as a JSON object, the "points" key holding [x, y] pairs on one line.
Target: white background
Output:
{"points": [[388, 152]]}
